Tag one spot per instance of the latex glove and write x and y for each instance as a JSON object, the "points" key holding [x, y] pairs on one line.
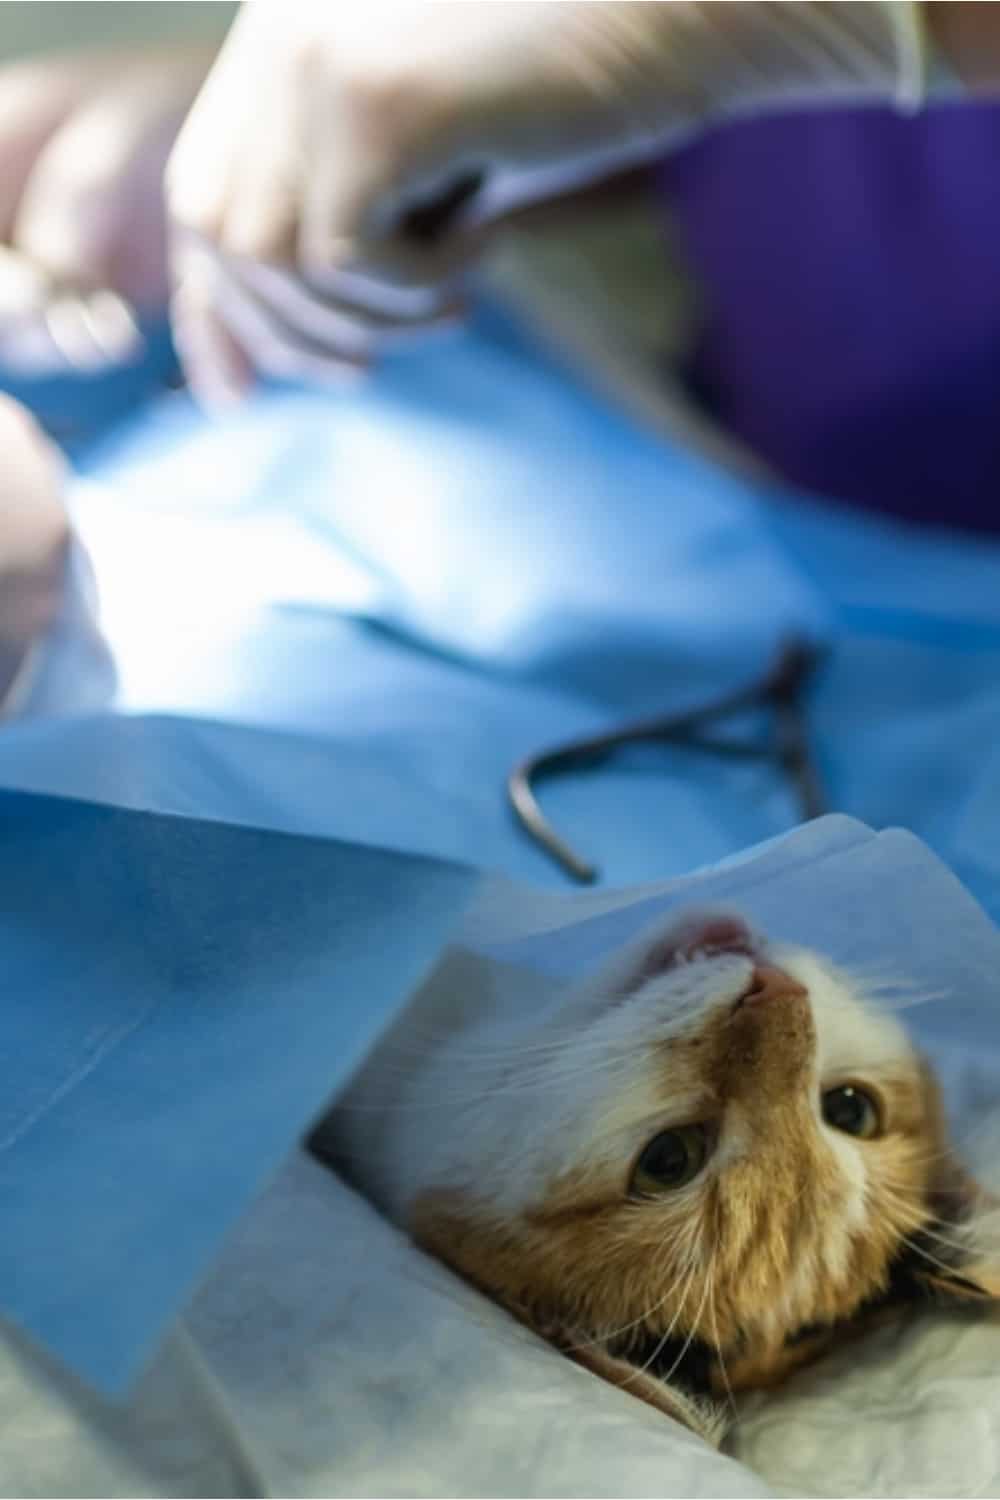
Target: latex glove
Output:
{"points": [[322, 128], [83, 143]]}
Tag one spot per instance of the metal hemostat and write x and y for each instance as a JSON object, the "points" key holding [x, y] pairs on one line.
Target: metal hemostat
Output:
{"points": [[781, 690]]}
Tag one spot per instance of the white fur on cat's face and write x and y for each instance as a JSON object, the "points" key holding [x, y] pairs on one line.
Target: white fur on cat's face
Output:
{"points": [[514, 1160], [592, 1084]]}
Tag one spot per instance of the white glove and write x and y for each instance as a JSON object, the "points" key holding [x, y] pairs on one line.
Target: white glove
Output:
{"points": [[322, 128], [83, 143]]}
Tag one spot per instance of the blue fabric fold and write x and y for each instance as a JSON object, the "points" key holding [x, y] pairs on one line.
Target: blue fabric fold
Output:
{"points": [[477, 500], [181, 998], [346, 618]]}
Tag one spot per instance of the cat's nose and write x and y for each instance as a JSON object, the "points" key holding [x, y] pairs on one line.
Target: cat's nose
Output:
{"points": [[769, 1044], [769, 984]]}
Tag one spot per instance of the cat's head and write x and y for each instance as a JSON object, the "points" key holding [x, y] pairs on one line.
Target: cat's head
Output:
{"points": [[716, 1159]]}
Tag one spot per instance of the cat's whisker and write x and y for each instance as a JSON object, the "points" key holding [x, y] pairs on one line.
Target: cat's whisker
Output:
{"points": [[805, 1186], [718, 1346], [916, 1159], [888, 1194], [691, 1336], [446, 1100], [606, 1338], [410, 1106], [489, 1051], [919, 1249], [960, 1247], [948, 1152], [910, 1002], [598, 1062], [879, 981], [874, 983], [642, 1369], [926, 1255], [688, 1243], [881, 988], [506, 1056], [499, 1088], [894, 998], [902, 1225], [906, 1182], [715, 1322]]}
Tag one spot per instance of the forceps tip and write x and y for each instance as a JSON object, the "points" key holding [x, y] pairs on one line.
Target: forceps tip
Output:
{"points": [[534, 821]]}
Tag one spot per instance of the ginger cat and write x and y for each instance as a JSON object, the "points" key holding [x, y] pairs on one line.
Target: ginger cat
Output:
{"points": [[691, 1173]]}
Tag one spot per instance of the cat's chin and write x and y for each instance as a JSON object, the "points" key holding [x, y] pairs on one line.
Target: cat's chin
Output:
{"points": [[704, 936]]}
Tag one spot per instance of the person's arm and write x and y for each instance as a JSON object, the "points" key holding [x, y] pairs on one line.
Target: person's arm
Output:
{"points": [[301, 183], [321, 130]]}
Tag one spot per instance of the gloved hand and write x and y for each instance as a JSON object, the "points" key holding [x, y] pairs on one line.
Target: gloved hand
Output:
{"points": [[83, 142], [303, 175]]}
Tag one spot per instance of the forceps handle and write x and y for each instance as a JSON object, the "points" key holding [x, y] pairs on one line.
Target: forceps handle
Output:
{"points": [[429, 221], [780, 689]]}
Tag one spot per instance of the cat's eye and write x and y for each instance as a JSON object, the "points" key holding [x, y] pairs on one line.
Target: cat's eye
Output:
{"points": [[671, 1160], [853, 1111]]}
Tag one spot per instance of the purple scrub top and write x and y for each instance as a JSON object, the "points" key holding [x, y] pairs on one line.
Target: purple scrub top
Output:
{"points": [[849, 263]]}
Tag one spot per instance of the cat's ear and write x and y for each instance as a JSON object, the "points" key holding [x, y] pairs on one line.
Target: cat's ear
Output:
{"points": [[702, 1416], [978, 1282], [961, 1252], [983, 1231]]}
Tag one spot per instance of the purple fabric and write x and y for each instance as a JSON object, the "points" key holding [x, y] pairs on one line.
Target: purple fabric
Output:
{"points": [[850, 267]]}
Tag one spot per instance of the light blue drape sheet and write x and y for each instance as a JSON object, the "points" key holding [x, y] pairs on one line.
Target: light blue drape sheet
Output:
{"points": [[336, 622]]}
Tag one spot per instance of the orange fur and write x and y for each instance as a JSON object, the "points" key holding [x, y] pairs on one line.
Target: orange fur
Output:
{"points": [[787, 1240], [587, 1262]]}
